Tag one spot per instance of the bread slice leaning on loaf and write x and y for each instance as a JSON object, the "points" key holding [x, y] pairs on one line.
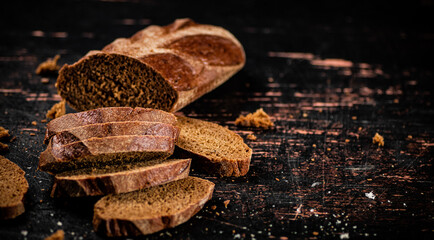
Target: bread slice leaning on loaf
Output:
{"points": [[162, 67], [13, 187], [153, 209], [105, 115], [119, 178], [216, 149], [96, 152], [109, 129]]}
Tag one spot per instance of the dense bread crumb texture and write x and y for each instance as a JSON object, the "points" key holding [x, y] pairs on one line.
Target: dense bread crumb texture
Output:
{"points": [[58, 235], [153, 209], [212, 147], [159, 67], [258, 119], [95, 152], [13, 187], [49, 66], [100, 130], [105, 115], [119, 178], [57, 110]]}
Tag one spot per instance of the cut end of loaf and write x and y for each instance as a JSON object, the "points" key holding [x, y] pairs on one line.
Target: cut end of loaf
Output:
{"points": [[113, 80]]}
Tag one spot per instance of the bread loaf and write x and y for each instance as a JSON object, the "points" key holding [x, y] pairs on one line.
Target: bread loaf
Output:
{"points": [[153, 209], [100, 130], [159, 67], [104, 115], [119, 178], [13, 187], [97, 152], [213, 148]]}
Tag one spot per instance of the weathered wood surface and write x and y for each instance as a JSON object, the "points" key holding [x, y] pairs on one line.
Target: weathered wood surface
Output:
{"points": [[329, 77]]}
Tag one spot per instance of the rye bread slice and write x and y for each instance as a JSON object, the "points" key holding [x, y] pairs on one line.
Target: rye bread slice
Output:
{"points": [[120, 178], [153, 209], [97, 152], [108, 114], [215, 149], [108, 129], [13, 187]]}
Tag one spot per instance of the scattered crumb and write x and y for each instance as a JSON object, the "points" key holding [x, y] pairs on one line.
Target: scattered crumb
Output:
{"points": [[410, 137], [218, 214], [370, 195], [251, 137], [305, 115], [277, 179], [45, 80], [58, 235], [314, 145], [347, 140], [329, 149], [213, 207], [32, 134], [4, 147], [43, 120], [360, 129], [226, 203], [34, 123], [378, 139], [315, 233], [258, 119], [48, 67], [4, 133], [354, 117], [57, 110]]}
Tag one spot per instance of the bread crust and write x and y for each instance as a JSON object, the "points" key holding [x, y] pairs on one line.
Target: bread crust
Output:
{"points": [[114, 227], [120, 181], [191, 58]]}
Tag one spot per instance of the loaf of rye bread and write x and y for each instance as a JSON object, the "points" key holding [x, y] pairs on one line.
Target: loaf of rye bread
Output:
{"points": [[119, 178], [97, 152], [213, 148], [13, 187], [158, 67], [152, 209], [104, 115], [100, 130]]}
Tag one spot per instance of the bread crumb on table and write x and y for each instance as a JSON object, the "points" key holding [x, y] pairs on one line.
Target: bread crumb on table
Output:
{"points": [[57, 110], [4, 147], [258, 119], [49, 66], [251, 137], [226, 203], [378, 139], [4, 133], [58, 235]]}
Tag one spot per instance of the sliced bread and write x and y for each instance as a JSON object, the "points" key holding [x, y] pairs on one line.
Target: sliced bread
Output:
{"points": [[119, 178], [153, 209], [100, 130], [212, 147], [103, 115], [13, 187], [96, 152]]}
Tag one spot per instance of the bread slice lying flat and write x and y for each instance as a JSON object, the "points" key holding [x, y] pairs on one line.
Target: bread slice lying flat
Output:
{"points": [[108, 114], [153, 209], [120, 178], [108, 129], [13, 187], [96, 152], [212, 147]]}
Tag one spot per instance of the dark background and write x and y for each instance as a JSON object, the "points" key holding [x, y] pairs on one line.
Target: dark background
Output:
{"points": [[310, 174]]}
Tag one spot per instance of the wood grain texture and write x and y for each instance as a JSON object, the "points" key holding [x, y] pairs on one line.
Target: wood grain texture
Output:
{"points": [[330, 77]]}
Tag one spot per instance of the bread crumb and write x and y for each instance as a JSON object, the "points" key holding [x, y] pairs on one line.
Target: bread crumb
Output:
{"points": [[258, 119], [4, 133], [213, 207], [32, 134], [251, 137], [277, 179], [49, 66], [226, 203], [347, 140], [34, 123], [354, 117], [4, 147], [57, 110], [378, 139], [45, 80], [58, 235], [43, 120]]}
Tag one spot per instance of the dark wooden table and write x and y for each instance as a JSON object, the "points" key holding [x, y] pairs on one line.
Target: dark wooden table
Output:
{"points": [[331, 75]]}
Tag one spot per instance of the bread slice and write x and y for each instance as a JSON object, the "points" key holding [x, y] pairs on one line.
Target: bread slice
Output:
{"points": [[115, 129], [212, 147], [153, 209], [120, 178], [96, 152], [13, 187], [103, 115]]}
